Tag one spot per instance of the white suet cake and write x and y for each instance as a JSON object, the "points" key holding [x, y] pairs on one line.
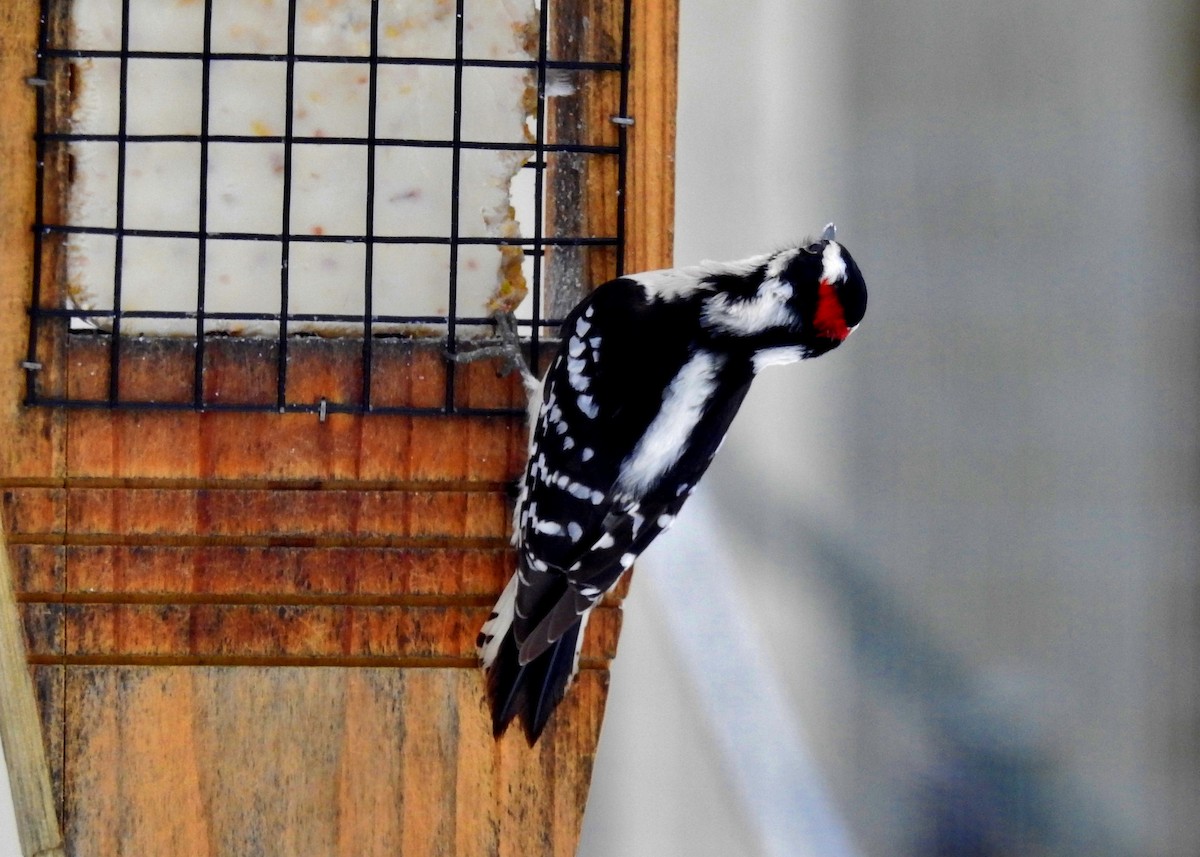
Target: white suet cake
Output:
{"points": [[245, 190]]}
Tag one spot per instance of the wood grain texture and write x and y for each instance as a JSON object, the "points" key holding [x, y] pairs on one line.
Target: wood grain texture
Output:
{"points": [[189, 633], [253, 633], [27, 443], [650, 216], [297, 761], [581, 199], [277, 517]]}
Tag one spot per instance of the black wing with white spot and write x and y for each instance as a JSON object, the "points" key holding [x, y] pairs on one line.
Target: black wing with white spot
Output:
{"points": [[577, 529]]}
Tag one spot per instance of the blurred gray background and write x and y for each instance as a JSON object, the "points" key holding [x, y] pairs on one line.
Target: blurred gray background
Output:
{"points": [[938, 595]]}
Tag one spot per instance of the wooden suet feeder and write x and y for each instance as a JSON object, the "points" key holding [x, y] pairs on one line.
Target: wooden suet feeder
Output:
{"points": [[254, 513]]}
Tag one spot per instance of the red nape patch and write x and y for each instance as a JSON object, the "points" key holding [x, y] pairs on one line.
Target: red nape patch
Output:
{"points": [[829, 320]]}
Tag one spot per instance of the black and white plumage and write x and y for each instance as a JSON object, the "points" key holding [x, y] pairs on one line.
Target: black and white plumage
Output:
{"points": [[651, 370]]}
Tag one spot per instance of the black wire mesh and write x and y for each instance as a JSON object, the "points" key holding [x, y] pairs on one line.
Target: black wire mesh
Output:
{"points": [[561, 155]]}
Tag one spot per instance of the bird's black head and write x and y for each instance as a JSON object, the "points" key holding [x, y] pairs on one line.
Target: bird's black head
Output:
{"points": [[788, 306], [830, 295]]}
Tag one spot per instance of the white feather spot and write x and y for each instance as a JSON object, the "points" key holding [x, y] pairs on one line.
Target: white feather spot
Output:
{"points": [[583, 620], [667, 435], [581, 327], [534, 390], [664, 521], [575, 374], [587, 454], [767, 309], [780, 356], [670, 283], [833, 264], [575, 346], [548, 528], [605, 542], [780, 261], [574, 531], [597, 498], [494, 630], [579, 491], [588, 406], [627, 560]]}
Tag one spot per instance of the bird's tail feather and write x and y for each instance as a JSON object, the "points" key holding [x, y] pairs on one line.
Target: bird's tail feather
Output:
{"points": [[532, 690]]}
